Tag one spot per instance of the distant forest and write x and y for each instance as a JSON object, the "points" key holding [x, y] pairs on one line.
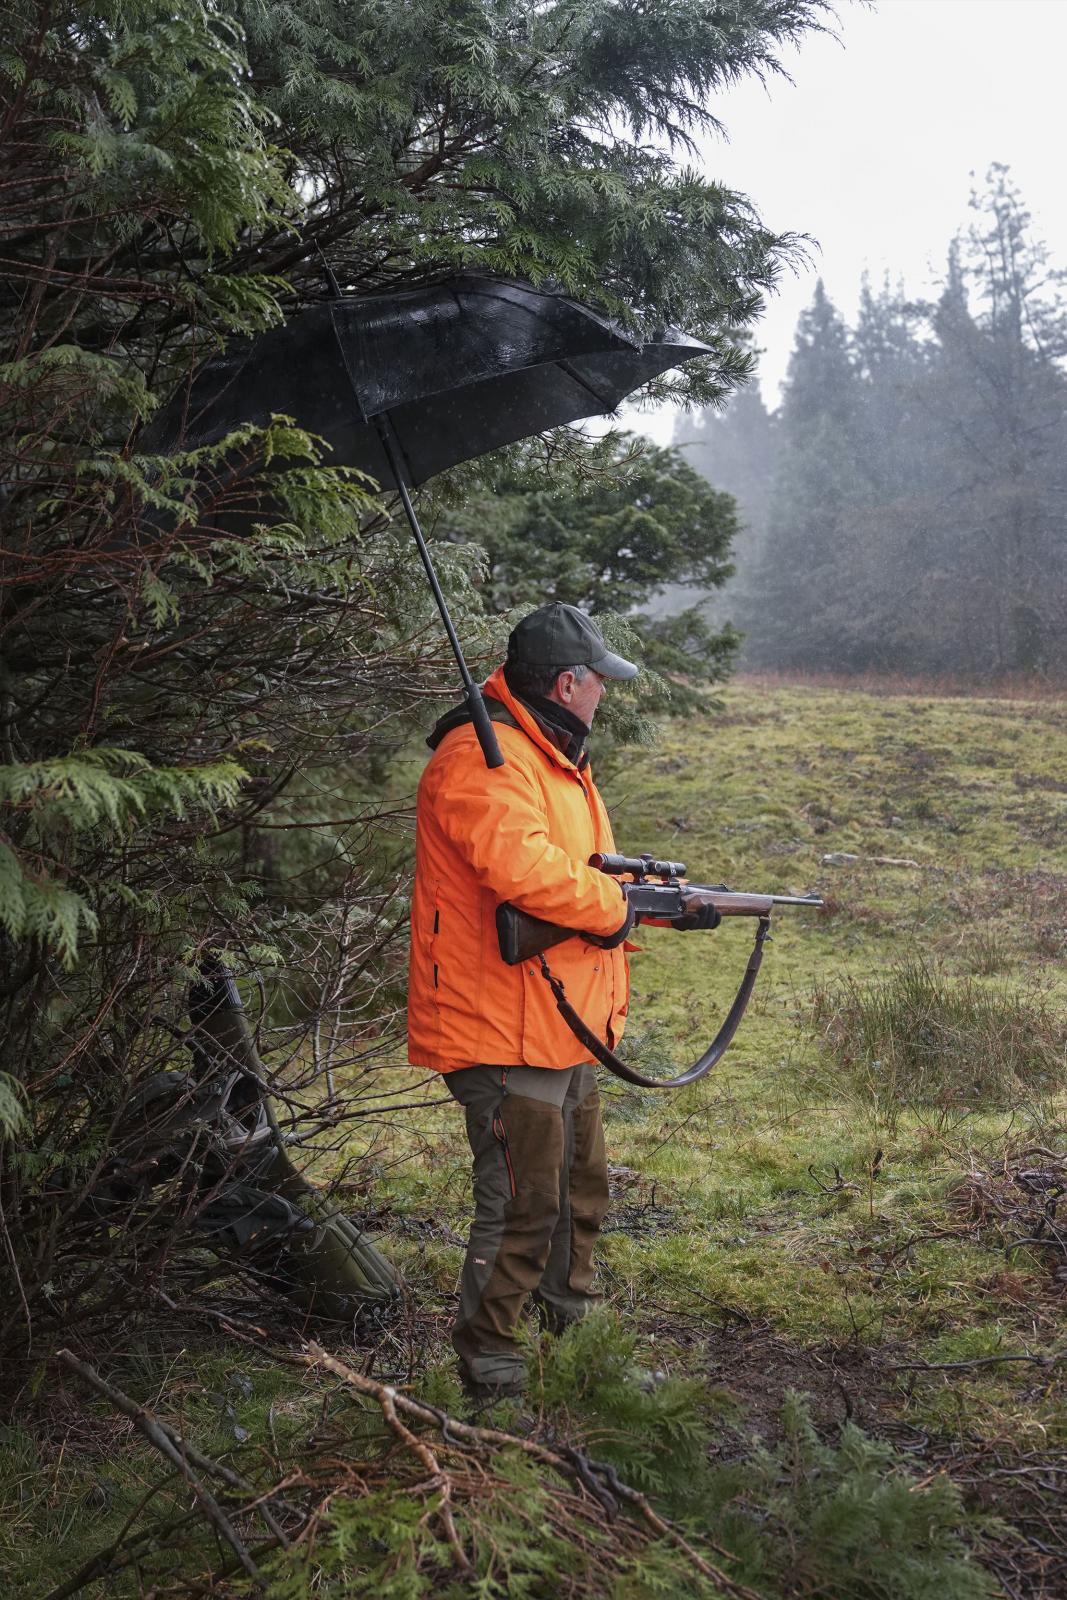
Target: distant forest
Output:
{"points": [[905, 508]]}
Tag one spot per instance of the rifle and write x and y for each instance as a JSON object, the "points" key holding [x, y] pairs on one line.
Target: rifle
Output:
{"points": [[657, 893]]}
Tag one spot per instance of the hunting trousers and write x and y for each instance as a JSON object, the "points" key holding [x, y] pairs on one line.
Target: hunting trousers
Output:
{"points": [[540, 1196]]}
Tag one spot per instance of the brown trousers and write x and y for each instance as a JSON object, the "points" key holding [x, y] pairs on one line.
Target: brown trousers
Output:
{"points": [[540, 1196]]}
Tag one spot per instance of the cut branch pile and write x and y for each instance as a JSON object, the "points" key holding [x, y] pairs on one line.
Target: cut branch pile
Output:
{"points": [[457, 1471]]}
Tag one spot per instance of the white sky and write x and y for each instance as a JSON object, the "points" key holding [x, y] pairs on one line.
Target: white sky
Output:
{"points": [[872, 148]]}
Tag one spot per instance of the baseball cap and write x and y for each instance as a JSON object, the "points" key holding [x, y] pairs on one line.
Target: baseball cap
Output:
{"points": [[559, 635]]}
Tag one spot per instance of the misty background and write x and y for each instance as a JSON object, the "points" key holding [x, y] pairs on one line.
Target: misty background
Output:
{"points": [[899, 460]]}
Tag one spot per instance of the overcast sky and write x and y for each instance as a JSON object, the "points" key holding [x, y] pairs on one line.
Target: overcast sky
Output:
{"points": [[872, 148]]}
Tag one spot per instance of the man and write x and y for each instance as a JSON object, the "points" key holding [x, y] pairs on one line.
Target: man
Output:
{"points": [[522, 833]]}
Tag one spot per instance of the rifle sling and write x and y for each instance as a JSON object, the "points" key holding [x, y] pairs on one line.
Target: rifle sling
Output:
{"points": [[712, 1055]]}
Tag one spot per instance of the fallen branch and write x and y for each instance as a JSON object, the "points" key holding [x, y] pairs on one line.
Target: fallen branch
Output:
{"points": [[845, 858], [437, 1480], [183, 1456], [593, 1477]]}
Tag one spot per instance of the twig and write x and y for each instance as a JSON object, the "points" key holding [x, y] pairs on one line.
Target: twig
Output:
{"points": [[979, 1361], [175, 1450], [438, 1478]]}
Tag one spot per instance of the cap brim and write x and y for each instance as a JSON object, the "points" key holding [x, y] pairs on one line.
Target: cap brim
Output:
{"points": [[612, 666]]}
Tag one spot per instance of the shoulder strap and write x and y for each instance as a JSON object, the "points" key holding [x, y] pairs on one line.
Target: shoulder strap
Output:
{"points": [[703, 1065]]}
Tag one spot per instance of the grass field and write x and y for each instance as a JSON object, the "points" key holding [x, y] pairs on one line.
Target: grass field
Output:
{"points": [[840, 1210]]}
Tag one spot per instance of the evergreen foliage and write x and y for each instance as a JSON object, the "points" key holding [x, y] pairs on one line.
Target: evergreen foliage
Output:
{"points": [[626, 520], [607, 526], [848, 1519], [845, 1517], [814, 482], [654, 1432], [518, 138], [734, 449]]}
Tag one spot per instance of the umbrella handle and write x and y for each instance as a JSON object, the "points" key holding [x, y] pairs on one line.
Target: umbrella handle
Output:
{"points": [[475, 704]]}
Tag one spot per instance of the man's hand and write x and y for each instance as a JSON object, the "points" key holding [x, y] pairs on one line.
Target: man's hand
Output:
{"points": [[699, 914]]}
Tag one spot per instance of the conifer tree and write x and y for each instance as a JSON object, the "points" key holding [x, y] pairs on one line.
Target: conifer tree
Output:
{"points": [[917, 518], [793, 615], [735, 449], [956, 545], [998, 384]]}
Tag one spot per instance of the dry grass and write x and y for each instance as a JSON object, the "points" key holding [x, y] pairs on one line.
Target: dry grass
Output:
{"points": [[1017, 686], [920, 1038]]}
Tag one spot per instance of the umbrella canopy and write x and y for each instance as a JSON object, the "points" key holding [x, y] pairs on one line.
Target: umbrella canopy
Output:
{"points": [[402, 386], [459, 369]]}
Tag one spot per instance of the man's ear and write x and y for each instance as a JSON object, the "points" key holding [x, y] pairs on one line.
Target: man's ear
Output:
{"points": [[564, 687]]}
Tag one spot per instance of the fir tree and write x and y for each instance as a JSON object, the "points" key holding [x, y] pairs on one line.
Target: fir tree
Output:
{"points": [[627, 518], [917, 516], [998, 382], [735, 449], [793, 616]]}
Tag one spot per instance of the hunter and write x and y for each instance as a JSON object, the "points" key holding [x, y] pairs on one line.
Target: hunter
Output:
{"points": [[521, 833]]}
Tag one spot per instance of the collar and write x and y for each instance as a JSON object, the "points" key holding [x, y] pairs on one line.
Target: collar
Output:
{"points": [[550, 734], [567, 732]]}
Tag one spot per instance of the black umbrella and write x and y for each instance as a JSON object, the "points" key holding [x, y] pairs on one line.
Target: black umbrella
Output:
{"points": [[404, 385]]}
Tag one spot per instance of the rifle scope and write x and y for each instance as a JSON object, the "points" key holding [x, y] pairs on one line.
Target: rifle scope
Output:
{"points": [[639, 866]]}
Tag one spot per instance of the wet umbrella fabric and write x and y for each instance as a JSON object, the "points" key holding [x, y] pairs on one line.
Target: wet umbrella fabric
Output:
{"points": [[403, 386]]}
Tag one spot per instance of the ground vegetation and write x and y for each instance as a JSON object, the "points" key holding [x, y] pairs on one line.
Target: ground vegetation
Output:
{"points": [[784, 1227]]}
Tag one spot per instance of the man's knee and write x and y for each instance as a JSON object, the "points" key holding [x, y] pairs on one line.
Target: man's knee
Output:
{"points": [[518, 1145]]}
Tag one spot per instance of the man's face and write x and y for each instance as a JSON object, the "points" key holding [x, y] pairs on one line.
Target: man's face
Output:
{"points": [[581, 698]]}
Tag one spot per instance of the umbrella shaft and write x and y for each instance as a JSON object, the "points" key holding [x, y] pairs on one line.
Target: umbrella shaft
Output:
{"points": [[482, 725], [431, 573]]}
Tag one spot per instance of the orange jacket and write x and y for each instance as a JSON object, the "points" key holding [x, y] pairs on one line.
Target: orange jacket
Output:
{"points": [[522, 832]]}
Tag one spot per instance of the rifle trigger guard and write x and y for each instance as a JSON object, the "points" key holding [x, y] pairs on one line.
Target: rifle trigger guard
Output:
{"points": [[703, 1065]]}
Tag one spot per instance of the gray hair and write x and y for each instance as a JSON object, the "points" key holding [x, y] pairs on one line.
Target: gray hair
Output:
{"points": [[526, 679]]}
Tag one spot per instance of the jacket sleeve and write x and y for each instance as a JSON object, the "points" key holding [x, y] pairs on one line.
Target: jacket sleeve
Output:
{"points": [[496, 821]]}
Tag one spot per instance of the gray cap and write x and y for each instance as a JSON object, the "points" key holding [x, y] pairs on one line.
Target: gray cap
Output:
{"points": [[561, 636]]}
